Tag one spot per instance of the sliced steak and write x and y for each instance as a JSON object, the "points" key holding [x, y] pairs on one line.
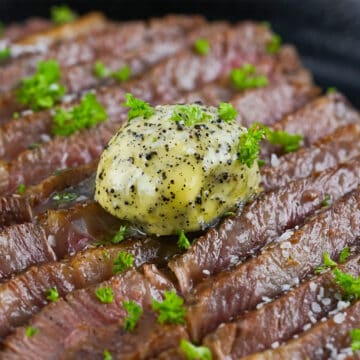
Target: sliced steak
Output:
{"points": [[22, 245], [61, 322], [262, 222], [15, 209], [328, 340], [340, 146], [24, 295], [230, 293], [257, 330]]}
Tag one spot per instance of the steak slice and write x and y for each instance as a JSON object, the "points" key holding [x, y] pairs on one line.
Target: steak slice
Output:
{"points": [[338, 147], [326, 340], [24, 295], [277, 267], [61, 322], [257, 330], [22, 245], [262, 222]]}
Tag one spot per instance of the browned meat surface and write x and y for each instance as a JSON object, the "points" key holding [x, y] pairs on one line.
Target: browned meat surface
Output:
{"points": [[257, 330]]}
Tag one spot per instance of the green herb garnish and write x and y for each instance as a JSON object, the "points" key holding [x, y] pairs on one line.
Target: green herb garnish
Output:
{"points": [[202, 46], [171, 309], [344, 254], [42, 90], [328, 263], [246, 78], [289, 142], [65, 197], [52, 294], [105, 295], [138, 108], [349, 284], [31, 331], [227, 112], [123, 74], [183, 242], [62, 14], [134, 313], [355, 339], [5, 54], [193, 352], [34, 145], [120, 235], [249, 148], [331, 90], [107, 355], [123, 261], [100, 70], [21, 189], [274, 45], [189, 114], [326, 200], [15, 115], [83, 116]]}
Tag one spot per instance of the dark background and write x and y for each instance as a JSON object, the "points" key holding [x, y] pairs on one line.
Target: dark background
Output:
{"points": [[326, 32]]}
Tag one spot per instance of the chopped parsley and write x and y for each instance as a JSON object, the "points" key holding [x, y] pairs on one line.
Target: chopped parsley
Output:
{"points": [[261, 163], [227, 112], [326, 200], [120, 235], [62, 14], [193, 352], [189, 114], [202, 46], [183, 242], [52, 294], [289, 142], [105, 295], [349, 284], [42, 90], [101, 71], [328, 263], [21, 189], [85, 115], [34, 145], [65, 197], [355, 339], [134, 313], [5, 54], [15, 115], [274, 45], [31, 331], [107, 355], [171, 309], [246, 78], [331, 90], [249, 148], [138, 108], [344, 254], [123, 261]]}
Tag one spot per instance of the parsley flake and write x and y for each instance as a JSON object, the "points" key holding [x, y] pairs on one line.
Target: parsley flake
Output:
{"points": [[5, 54], [31, 331], [344, 254], [105, 295], [227, 112], [123, 261], [189, 114], [326, 200], [85, 115], [331, 90], [21, 189], [328, 263], [355, 339], [171, 309], [202, 46], [62, 14], [349, 284], [42, 90], [134, 313], [289, 142], [123, 74], [107, 355], [193, 352], [249, 148], [274, 45], [65, 197], [183, 242], [52, 294], [120, 235], [138, 108], [246, 78], [100, 70]]}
